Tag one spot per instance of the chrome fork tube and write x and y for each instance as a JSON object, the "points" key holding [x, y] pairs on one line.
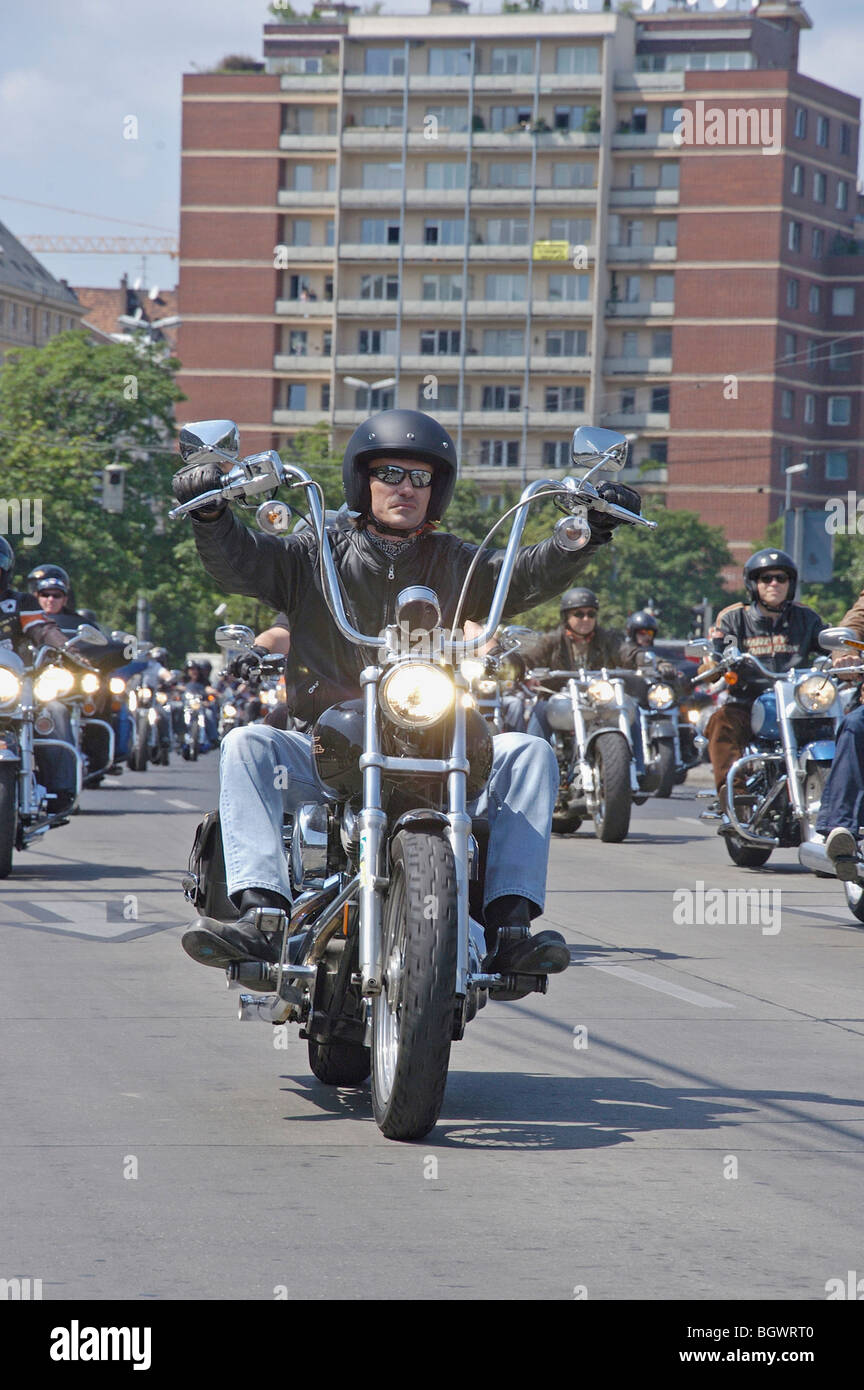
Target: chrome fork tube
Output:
{"points": [[372, 822], [458, 832], [790, 749]]}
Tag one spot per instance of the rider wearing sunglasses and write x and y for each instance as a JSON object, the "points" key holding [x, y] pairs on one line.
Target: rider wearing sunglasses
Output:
{"points": [[399, 473], [780, 633]]}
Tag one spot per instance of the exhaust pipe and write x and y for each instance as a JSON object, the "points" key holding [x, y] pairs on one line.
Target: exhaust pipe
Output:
{"points": [[267, 1008], [813, 856]]}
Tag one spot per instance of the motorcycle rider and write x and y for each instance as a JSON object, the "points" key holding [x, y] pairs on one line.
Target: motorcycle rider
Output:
{"points": [[641, 629], [398, 472], [23, 621], [578, 642], [842, 808], [780, 633], [196, 681]]}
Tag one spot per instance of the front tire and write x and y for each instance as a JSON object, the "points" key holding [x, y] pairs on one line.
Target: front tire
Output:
{"points": [[137, 760], [8, 817], [614, 797], [855, 900], [744, 855], [666, 768], [412, 1017]]}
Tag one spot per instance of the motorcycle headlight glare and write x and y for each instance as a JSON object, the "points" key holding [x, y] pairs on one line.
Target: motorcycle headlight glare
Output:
{"points": [[487, 687], [661, 696], [415, 694], [161, 697], [471, 668], [815, 694], [601, 692], [10, 687], [229, 711], [132, 701], [53, 683], [145, 695], [117, 685], [90, 683], [195, 702]]}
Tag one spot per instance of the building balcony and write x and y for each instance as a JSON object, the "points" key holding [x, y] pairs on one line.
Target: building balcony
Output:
{"points": [[519, 141], [558, 308], [367, 362], [302, 419], [369, 308], [382, 82], [369, 251], [564, 421], [297, 363], [562, 366], [300, 255], [311, 82], [643, 197], [637, 366], [389, 198], [318, 198], [637, 420], [645, 140], [566, 197], [641, 253], [308, 144], [553, 83], [305, 308], [640, 309], [493, 419], [628, 81]]}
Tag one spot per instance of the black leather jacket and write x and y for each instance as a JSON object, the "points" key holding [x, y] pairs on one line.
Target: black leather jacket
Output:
{"points": [[284, 574], [780, 644], [22, 621]]}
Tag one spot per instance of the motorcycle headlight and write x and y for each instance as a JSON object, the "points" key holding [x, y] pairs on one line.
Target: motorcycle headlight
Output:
{"points": [[229, 711], [53, 683], [815, 694], [145, 695], [661, 696], [601, 692], [117, 685], [10, 687], [693, 716], [471, 668], [90, 683], [416, 695], [161, 697], [132, 701], [487, 687], [195, 702]]}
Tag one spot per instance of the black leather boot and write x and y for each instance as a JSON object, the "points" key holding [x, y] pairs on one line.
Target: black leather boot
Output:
{"points": [[211, 942], [513, 950]]}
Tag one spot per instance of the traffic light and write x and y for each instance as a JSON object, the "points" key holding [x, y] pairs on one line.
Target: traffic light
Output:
{"points": [[701, 618], [109, 487]]}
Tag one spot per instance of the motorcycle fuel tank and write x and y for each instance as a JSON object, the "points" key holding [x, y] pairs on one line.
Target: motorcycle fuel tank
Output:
{"points": [[763, 716]]}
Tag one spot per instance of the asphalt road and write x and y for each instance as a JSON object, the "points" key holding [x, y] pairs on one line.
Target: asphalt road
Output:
{"points": [[681, 1117]]}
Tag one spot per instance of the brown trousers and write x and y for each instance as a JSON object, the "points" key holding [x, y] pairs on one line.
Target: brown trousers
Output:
{"points": [[728, 730]]}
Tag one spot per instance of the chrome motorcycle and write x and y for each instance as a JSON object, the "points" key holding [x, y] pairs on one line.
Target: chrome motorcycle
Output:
{"points": [[381, 962]]}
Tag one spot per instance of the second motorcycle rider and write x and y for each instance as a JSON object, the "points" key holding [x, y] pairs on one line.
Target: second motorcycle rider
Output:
{"points": [[398, 472]]}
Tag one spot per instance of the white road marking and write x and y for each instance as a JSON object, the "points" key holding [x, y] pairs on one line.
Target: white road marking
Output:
{"points": [[145, 791], [82, 918], [691, 996], [184, 805]]}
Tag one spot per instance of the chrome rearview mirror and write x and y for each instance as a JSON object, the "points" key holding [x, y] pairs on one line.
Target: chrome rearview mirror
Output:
{"points": [[235, 635], [204, 440], [699, 647], [833, 639], [89, 634], [592, 446]]}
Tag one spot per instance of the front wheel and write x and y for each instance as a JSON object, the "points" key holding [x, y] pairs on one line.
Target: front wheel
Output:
{"points": [[744, 855], [412, 1017], [666, 768], [8, 817], [137, 760], [614, 797], [855, 899]]}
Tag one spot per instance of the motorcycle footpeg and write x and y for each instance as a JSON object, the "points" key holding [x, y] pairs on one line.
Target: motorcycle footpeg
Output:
{"points": [[534, 984], [255, 974]]}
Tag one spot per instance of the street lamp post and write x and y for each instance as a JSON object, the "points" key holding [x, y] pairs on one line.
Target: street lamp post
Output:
{"points": [[797, 531], [369, 387]]}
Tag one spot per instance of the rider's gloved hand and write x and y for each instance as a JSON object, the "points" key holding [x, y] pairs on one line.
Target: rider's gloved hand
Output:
{"points": [[602, 524], [196, 478], [76, 659], [247, 666]]}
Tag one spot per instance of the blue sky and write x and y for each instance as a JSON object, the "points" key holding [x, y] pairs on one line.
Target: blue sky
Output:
{"points": [[71, 71]]}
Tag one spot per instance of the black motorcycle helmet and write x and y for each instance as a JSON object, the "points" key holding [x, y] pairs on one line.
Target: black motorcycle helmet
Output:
{"points": [[770, 560], [578, 598], [640, 620], [7, 563], [56, 573], [406, 434]]}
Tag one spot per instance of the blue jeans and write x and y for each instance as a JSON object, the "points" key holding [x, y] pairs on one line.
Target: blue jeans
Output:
{"points": [[843, 796], [265, 772]]}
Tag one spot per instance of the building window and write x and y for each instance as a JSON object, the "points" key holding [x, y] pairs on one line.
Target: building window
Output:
{"points": [[793, 240], [509, 117], [836, 463], [325, 395], [379, 287], [506, 287], [790, 345], [294, 395], [329, 231], [800, 123], [441, 174], [298, 342], [785, 457], [440, 342], [661, 342], [376, 341], [509, 175], [499, 453], [669, 175], [507, 231], [570, 118], [382, 117], [301, 232], [660, 399], [571, 58], [636, 176], [670, 119], [839, 410], [374, 400], [501, 398], [377, 231], [446, 397], [658, 450], [809, 408], [845, 138], [503, 342], [300, 178], [820, 185], [556, 453], [566, 342], [384, 62], [843, 301], [667, 231], [842, 195], [817, 243], [453, 118], [444, 231], [798, 178], [630, 344], [664, 289], [792, 288], [327, 346], [787, 405], [559, 398], [573, 174], [512, 60], [574, 289], [814, 299], [382, 176], [442, 287], [449, 62], [812, 353], [577, 230], [840, 357], [46, 321], [823, 129]]}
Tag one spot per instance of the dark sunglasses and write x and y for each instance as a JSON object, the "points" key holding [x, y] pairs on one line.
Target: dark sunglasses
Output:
{"points": [[583, 612], [392, 473], [52, 593], [780, 576]]}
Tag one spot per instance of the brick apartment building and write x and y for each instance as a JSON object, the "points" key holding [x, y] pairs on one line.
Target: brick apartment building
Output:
{"points": [[526, 222]]}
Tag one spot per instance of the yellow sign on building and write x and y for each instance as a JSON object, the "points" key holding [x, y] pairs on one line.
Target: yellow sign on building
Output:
{"points": [[551, 251]]}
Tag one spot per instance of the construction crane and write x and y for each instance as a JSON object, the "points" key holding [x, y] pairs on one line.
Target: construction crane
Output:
{"points": [[103, 245]]}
